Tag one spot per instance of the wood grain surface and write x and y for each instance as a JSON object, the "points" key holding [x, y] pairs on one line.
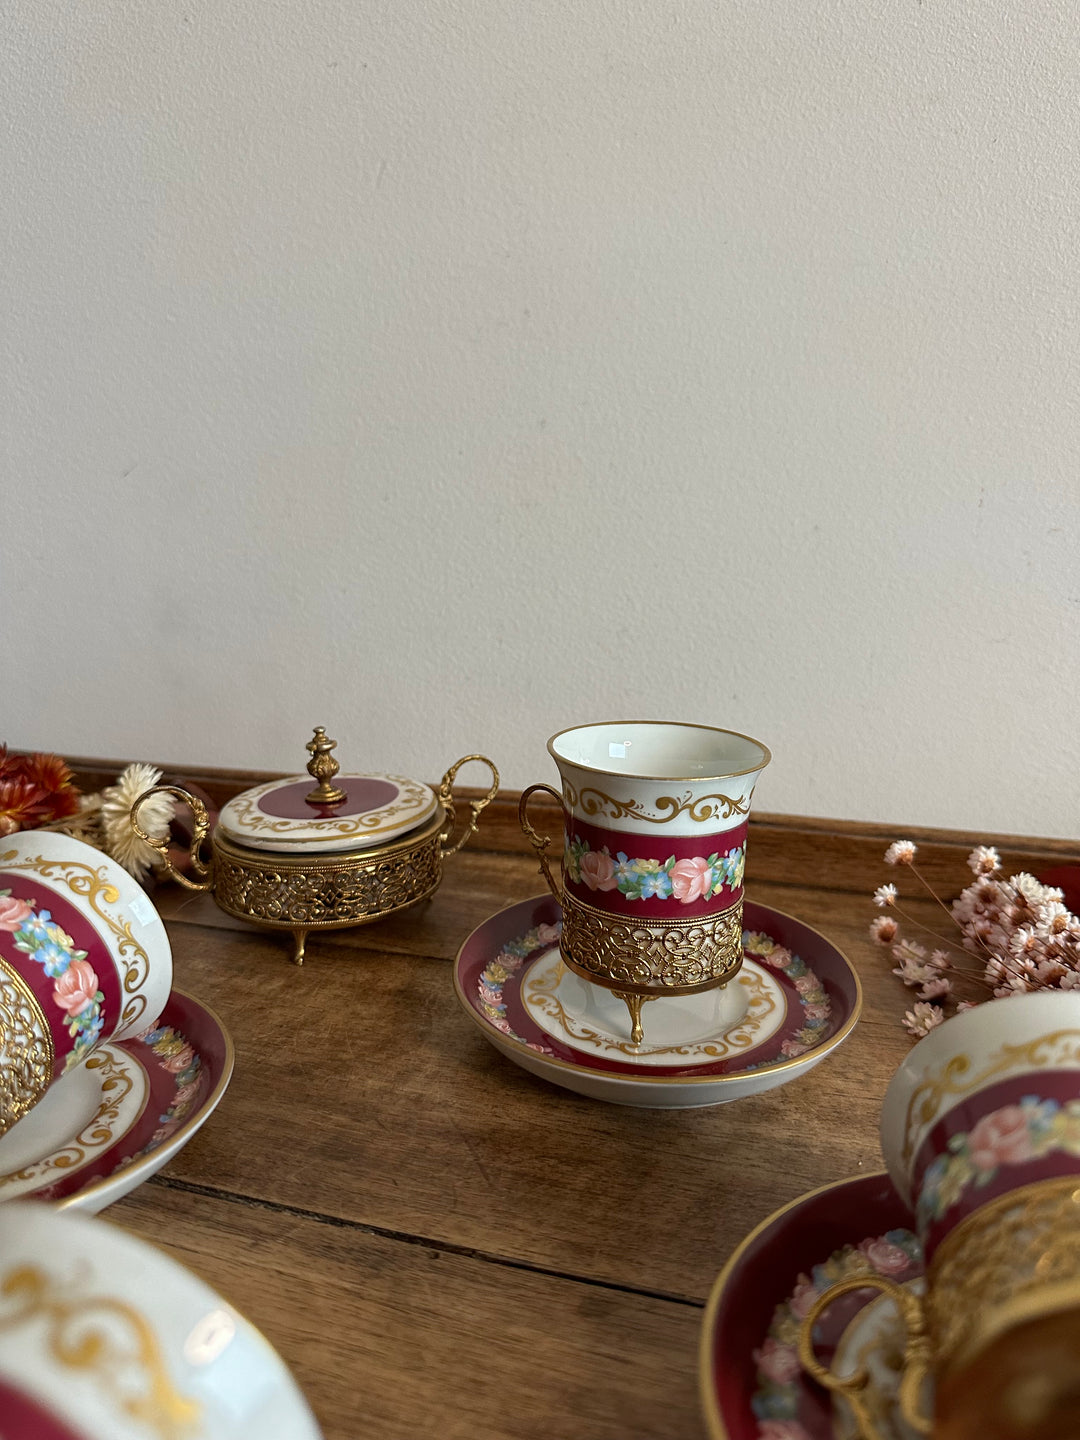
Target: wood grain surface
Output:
{"points": [[440, 1244]]}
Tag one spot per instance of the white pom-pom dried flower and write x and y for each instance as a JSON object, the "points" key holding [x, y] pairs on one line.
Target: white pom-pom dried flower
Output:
{"points": [[884, 929], [984, 860], [900, 852], [884, 896], [923, 1018], [934, 989], [155, 816]]}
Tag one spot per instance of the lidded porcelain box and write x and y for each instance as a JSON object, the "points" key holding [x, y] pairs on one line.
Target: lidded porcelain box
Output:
{"points": [[324, 850]]}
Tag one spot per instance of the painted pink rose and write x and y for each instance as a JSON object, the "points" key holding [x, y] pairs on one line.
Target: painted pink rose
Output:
{"points": [[598, 870], [777, 1362], [782, 1430], [186, 1092], [164, 1131], [805, 983], [792, 1049], [547, 934], [180, 1061], [690, 879], [76, 987], [1000, 1138], [803, 1298], [885, 1257], [816, 1012], [12, 912]]}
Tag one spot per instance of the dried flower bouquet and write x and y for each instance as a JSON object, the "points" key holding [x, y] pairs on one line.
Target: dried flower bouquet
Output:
{"points": [[1006, 937]]}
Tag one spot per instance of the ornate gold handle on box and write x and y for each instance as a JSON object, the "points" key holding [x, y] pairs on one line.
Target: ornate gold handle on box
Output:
{"points": [[201, 868], [446, 799], [540, 843], [853, 1387]]}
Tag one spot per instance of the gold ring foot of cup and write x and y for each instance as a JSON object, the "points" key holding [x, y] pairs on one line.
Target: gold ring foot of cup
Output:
{"points": [[648, 956]]}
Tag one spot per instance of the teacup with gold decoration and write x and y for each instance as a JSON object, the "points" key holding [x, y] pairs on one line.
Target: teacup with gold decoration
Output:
{"points": [[981, 1133], [84, 959], [654, 849]]}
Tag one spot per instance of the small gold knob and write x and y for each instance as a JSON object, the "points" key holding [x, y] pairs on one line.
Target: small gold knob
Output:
{"points": [[323, 767]]}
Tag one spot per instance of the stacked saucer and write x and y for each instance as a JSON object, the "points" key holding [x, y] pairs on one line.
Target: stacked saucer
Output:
{"points": [[106, 1070]]}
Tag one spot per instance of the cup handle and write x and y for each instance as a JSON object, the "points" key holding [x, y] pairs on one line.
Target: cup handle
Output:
{"points": [[204, 879], [853, 1387], [446, 799], [540, 843]]}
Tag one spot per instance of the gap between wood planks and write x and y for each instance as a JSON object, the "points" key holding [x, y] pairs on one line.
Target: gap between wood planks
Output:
{"points": [[424, 1242]]}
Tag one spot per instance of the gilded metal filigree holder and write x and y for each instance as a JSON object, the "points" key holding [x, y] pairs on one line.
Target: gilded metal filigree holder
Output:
{"points": [[639, 959], [305, 892], [1013, 1261]]}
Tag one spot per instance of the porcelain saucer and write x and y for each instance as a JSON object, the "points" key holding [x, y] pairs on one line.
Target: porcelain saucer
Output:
{"points": [[114, 1121], [103, 1337], [752, 1385], [803, 999]]}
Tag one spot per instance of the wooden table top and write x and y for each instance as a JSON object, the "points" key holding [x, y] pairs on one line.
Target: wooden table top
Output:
{"points": [[439, 1243]]}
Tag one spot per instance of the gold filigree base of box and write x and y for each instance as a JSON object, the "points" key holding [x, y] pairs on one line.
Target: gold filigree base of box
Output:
{"points": [[306, 893]]}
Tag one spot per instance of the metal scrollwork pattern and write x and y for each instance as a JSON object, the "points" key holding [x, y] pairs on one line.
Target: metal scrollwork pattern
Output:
{"points": [[1015, 1258], [325, 893], [652, 955], [699, 810], [27, 1054]]}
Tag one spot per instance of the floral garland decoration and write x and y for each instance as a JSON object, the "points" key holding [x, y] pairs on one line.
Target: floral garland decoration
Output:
{"points": [[508, 962], [816, 1005], [1013, 1135], [699, 878], [76, 992], [178, 1057], [896, 1255]]}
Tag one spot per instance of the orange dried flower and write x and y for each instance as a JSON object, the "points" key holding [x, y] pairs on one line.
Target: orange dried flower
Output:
{"points": [[34, 790]]}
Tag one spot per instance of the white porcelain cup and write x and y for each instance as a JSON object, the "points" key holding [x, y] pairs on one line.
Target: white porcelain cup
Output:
{"points": [[984, 1104], [102, 1337], [654, 849], [84, 959]]}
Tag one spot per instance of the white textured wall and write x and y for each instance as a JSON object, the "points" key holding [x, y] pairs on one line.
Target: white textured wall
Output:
{"points": [[450, 371]]}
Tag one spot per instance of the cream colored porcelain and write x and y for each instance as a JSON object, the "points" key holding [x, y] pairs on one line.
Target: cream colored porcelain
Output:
{"points": [[658, 778], [103, 1337], [684, 1030], [1000, 1040]]}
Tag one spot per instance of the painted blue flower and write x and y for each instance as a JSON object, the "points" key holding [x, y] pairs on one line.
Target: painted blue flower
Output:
{"points": [[34, 928], [657, 884], [153, 1036], [55, 959], [775, 1403], [1039, 1114], [625, 870]]}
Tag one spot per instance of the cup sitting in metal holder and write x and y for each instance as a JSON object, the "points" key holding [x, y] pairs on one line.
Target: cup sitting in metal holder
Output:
{"points": [[654, 850], [981, 1133]]}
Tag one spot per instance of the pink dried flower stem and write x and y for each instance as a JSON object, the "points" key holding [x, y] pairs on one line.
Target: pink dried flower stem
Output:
{"points": [[938, 900], [928, 930], [1016, 931]]}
